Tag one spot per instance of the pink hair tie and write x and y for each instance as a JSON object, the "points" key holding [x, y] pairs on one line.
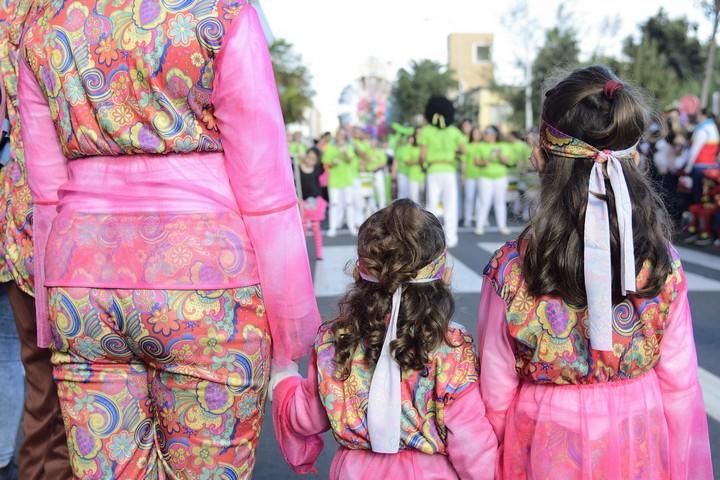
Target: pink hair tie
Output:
{"points": [[612, 87]]}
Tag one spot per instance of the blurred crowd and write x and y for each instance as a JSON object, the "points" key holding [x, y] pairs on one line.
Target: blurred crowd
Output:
{"points": [[681, 153], [348, 175]]}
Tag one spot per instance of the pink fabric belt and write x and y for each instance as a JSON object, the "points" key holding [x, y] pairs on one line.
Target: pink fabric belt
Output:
{"points": [[155, 222]]}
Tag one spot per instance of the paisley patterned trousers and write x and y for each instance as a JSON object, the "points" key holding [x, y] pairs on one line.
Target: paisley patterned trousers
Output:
{"points": [[157, 384]]}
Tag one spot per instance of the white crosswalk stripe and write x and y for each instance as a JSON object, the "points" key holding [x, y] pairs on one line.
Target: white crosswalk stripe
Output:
{"points": [[699, 258], [332, 275], [710, 385]]}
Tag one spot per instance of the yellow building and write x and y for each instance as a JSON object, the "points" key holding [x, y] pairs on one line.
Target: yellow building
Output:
{"points": [[470, 57]]}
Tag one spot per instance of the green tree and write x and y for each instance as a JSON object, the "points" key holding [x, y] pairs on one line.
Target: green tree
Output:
{"points": [[414, 86], [650, 69], [712, 9], [559, 52], [293, 80], [682, 51]]}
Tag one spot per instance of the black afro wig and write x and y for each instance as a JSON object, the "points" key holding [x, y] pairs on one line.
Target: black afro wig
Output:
{"points": [[440, 105]]}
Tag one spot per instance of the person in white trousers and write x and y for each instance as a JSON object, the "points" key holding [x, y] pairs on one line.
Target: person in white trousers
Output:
{"points": [[439, 143], [378, 165], [471, 177], [341, 162], [408, 157], [403, 186], [493, 183]]}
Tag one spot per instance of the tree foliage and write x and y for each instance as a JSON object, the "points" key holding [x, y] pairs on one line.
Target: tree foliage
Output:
{"points": [[674, 40], [559, 52], [293, 80], [415, 85], [666, 58]]}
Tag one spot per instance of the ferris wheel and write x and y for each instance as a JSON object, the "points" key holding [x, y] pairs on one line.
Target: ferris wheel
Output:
{"points": [[365, 101]]}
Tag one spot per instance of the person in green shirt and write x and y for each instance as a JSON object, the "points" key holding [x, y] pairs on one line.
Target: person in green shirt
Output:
{"points": [[439, 143], [471, 176], [519, 151], [296, 147], [493, 160], [528, 178], [397, 142], [377, 164], [407, 158], [341, 162]]}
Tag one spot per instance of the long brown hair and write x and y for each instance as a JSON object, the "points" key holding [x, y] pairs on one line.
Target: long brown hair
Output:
{"points": [[395, 243], [552, 244]]}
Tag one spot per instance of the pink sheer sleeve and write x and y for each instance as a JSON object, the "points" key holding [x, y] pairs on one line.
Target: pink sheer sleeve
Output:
{"points": [[299, 418], [498, 379], [677, 371], [252, 131], [471, 442], [46, 167]]}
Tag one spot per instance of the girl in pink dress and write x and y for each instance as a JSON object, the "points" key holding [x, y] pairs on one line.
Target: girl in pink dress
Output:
{"points": [[314, 205], [392, 377], [170, 258], [587, 358]]}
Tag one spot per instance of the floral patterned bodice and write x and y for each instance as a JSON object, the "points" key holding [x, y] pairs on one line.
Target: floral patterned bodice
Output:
{"points": [[550, 339], [130, 76], [15, 199], [426, 394]]}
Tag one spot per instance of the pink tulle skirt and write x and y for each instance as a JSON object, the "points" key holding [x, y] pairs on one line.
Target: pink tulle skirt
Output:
{"points": [[317, 212], [607, 431], [407, 464]]}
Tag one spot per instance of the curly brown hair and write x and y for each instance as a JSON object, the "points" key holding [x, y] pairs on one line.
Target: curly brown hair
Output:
{"points": [[395, 243]]}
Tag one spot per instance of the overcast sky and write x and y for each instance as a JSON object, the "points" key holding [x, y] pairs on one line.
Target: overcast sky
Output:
{"points": [[336, 37]]}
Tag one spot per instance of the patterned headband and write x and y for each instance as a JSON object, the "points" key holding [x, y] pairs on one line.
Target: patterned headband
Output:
{"points": [[384, 400], [429, 273], [563, 145], [597, 256]]}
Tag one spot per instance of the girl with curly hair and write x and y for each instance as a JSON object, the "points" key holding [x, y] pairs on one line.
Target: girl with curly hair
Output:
{"points": [[392, 377]]}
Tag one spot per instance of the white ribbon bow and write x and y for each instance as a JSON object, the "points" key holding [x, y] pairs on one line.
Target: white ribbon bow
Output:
{"points": [[384, 398], [598, 262], [384, 402]]}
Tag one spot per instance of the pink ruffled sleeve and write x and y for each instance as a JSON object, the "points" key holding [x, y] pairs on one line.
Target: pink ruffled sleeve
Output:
{"points": [[471, 442], [498, 379], [299, 418], [677, 370], [47, 171], [252, 131]]}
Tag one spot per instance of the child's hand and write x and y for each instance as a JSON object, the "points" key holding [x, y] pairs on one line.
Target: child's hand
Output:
{"points": [[278, 374]]}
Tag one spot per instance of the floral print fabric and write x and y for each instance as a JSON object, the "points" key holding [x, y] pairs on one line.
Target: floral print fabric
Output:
{"points": [[551, 342], [130, 76], [155, 251], [426, 394], [161, 384], [15, 199]]}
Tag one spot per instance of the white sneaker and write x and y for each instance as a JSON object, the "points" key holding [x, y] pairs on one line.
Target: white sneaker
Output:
{"points": [[331, 233], [479, 231], [504, 231]]}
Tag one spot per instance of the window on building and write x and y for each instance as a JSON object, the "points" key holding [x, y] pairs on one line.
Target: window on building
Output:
{"points": [[481, 53]]}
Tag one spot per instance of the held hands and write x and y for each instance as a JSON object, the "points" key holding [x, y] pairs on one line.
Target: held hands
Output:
{"points": [[280, 373]]}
